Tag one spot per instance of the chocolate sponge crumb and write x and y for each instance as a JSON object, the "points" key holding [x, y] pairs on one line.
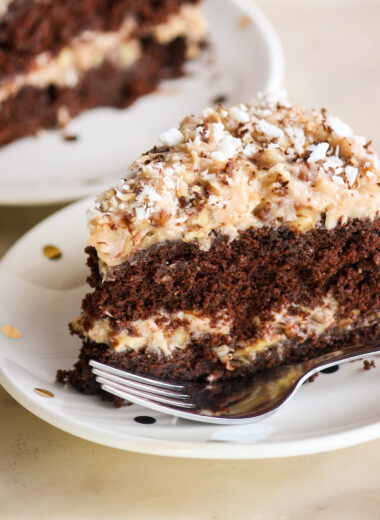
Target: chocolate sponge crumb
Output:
{"points": [[367, 365]]}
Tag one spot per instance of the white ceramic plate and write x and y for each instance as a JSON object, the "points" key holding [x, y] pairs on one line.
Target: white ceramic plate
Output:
{"points": [[39, 296], [245, 57]]}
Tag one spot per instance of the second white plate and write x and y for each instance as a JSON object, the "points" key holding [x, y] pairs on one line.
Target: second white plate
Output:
{"points": [[245, 57]]}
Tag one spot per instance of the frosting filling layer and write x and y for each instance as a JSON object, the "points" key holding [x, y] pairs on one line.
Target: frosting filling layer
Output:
{"points": [[164, 332], [161, 333], [91, 49]]}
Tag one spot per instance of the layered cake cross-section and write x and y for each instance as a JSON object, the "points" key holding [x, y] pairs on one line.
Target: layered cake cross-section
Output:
{"points": [[248, 238], [58, 59]]}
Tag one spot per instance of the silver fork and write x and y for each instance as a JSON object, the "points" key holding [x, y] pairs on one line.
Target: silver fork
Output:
{"points": [[239, 401]]}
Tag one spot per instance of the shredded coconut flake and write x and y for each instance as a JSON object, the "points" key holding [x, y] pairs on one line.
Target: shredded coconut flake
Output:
{"points": [[217, 130], [250, 149], [318, 152], [230, 145], [207, 112], [338, 180], [140, 213], [269, 130], [219, 156], [334, 164], [351, 174], [339, 127], [297, 136], [272, 98], [239, 115], [171, 137]]}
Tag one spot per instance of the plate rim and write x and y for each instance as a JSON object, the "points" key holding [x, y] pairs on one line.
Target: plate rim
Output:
{"points": [[195, 450], [198, 450], [274, 82]]}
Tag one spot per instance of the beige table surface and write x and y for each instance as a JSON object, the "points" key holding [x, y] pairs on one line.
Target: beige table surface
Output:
{"points": [[333, 59]]}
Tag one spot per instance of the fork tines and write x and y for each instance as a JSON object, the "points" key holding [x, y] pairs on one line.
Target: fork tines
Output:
{"points": [[139, 389]]}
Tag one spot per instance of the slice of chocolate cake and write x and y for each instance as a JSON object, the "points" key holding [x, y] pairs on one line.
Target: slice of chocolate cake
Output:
{"points": [[249, 238], [58, 59]]}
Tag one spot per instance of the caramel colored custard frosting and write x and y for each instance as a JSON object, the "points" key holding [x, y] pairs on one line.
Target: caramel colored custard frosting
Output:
{"points": [[265, 163], [164, 332]]}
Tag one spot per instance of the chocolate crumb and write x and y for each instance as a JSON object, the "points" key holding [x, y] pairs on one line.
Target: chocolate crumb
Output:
{"points": [[367, 365], [312, 378], [63, 376]]}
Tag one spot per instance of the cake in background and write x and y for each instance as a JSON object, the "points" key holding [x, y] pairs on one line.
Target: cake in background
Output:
{"points": [[58, 59], [248, 238]]}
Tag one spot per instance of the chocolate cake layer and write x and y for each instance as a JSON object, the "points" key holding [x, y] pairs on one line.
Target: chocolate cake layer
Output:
{"points": [[30, 27], [33, 109], [198, 361], [252, 276]]}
